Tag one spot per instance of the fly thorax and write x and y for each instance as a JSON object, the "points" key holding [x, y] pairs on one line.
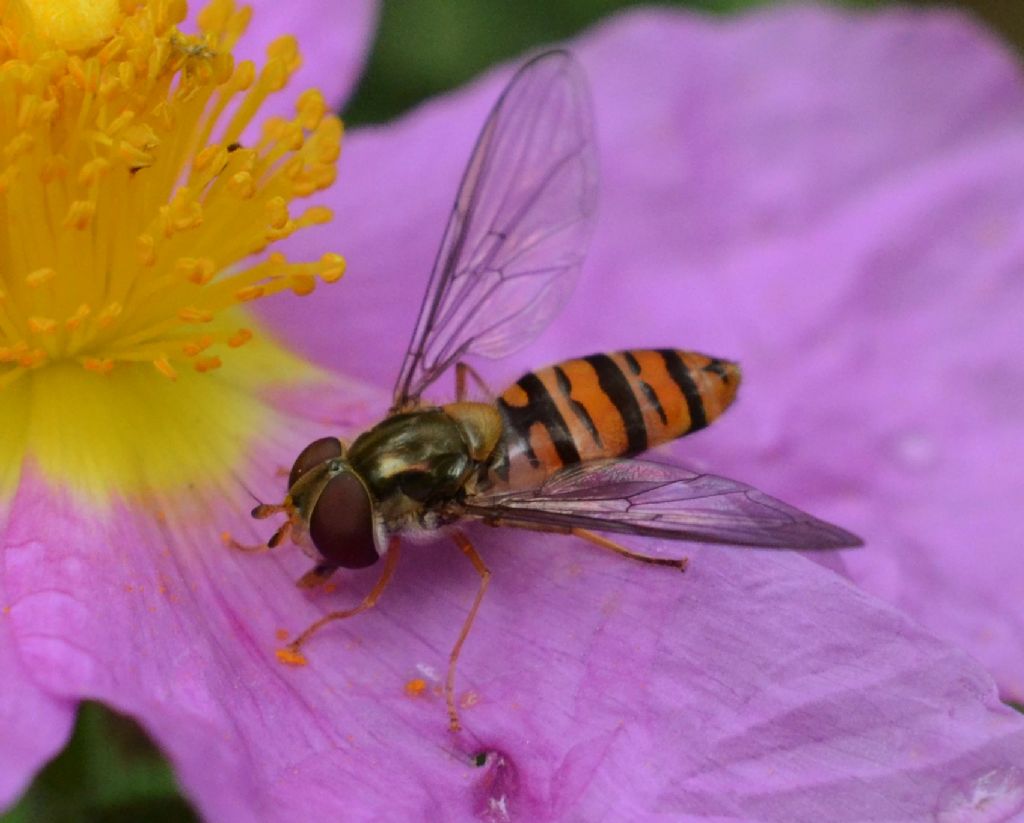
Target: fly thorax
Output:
{"points": [[413, 460], [481, 426]]}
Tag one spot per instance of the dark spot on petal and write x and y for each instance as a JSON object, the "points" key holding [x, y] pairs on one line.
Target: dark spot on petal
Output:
{"points": [[496, 793]]}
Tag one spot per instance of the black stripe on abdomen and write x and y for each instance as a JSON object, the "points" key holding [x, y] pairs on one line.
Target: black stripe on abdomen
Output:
{"points": [[540, 408], [650, 395], [681, 377], [616, 387]]}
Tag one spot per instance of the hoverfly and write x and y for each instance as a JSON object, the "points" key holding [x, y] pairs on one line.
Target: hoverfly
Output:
{"points": [[553, 451]]}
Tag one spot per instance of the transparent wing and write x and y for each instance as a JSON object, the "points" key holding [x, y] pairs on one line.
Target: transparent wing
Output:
{"points": [[519, 230], [657, 500]]}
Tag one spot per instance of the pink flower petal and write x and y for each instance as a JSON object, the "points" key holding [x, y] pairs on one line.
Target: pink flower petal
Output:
{"points": [[756, 686], [34, 725], [835, 201]]}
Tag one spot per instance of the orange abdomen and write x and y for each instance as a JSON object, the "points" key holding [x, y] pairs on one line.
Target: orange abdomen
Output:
{"points": [[609, 405]]}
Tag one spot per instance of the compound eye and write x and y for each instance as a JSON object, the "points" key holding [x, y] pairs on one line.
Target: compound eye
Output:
{"points": [[341, 524], [317, 452]]}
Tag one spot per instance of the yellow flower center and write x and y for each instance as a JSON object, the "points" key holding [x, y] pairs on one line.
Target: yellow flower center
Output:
{"points": [[136, 214]]}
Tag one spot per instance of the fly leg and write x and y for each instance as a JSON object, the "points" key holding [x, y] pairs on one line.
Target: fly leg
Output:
{"points": [[292, 653], [605, 543], [464, 370], [485, 578], [316, 576]]}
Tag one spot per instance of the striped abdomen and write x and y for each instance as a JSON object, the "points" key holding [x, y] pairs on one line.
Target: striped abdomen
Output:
{"points": [[609, 405]]}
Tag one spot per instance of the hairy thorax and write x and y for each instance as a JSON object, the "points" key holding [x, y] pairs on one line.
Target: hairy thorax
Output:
{"points": [[418, 465]]}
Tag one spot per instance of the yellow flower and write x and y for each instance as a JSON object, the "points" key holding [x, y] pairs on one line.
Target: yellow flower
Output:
{"points": [[138, 211]]}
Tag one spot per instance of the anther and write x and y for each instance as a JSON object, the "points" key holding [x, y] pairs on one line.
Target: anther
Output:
{"points": [[196, 270], [194, 347], [240, 338], [244, 76], [100, 365], [41, 325], [285, 49], [93, 170], [276, 210], [36, 357], [122, 121], [316, 216], [242, 185], [191, 314], [163, 365], [208, 155], [109, 314], [40, 276], [76, 320], [80, 215], [334, 267], [311, 108], [11, 354], [145, 250], [205, 364]]}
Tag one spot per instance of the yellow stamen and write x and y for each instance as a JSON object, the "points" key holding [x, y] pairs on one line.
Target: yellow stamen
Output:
{"points": [[138, 199]]}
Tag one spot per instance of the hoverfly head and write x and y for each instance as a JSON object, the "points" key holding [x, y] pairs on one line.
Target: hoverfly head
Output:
{"points": [[331, 503]]}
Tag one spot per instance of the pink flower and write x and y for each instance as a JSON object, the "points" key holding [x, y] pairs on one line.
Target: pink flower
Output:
{"points": [[829, 199]]}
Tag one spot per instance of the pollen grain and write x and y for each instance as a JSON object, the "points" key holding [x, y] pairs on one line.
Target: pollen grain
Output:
{"points": [[291, 657]]}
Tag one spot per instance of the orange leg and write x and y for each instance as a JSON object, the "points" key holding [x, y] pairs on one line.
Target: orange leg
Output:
{"points": [[464, 370], [292, 652], [272, 543], [316, 576], [605, 543], [485, 578]]}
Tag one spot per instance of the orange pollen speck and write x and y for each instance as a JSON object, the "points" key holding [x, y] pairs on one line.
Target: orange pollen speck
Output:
{"points": [[138, 196], [416, 687], [291, 657], [281, 634]]}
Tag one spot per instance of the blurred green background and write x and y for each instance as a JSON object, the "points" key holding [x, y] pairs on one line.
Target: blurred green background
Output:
{"points": [[110, 772], [426, 46]]}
